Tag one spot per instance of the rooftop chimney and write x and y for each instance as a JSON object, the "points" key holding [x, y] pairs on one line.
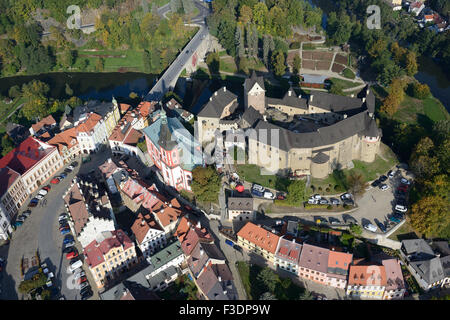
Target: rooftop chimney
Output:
{"points": [[142, 222], [219, 278], [199, 225], [364, 99], [224, 89], [289, 93], [311, 98], [201, 251], [215, 93]]}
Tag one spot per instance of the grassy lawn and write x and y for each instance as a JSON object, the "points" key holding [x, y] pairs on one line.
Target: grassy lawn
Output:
{"points": [[130, 59], [348, 73], [222, 53], [6, 109], [344, 83], [285, 289], [405, 232], [159, 3], [228, 65], [411, 110], [252, 173]]}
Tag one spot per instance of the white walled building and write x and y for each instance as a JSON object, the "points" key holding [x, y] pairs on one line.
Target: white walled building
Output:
{"points": [[150, 237]]}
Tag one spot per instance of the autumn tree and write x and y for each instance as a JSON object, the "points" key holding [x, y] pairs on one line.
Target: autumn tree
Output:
{"points": [[430, 216], [245, 15], [394, 98], [411, 66], [356, 183], [205, 183], [420, 91], [297, 63], [239, 41]]}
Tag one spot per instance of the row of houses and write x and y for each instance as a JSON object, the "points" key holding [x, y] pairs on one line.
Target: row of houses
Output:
{"points": [[381, 279]]}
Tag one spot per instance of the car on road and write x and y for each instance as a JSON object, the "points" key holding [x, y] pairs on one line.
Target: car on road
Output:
{"points": [[74, 164], [384, 187], [317, 196], [84, 287], [71, 167], [405, 181], [268, 195], [71, 255], [370, 227], [80, 274], [346, 196], [334, 201], [381, 226], [65, 231], [18, 223], [375, 183], [82, 279], [334, 220], [257, 193], [312, 201], [86, 295], [63, 175], [54, 181], [39, 196], [394, 219]]}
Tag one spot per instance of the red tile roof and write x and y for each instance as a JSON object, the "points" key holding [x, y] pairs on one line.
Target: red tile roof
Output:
{"points": [[340, 260], [95, 251], [194, 236], [167, 212], [90, 123], [67, 138], [142, 225], [7, 177], [183, 227], [108, 168], [141, 193], [124, 107], [77, 208], [46, 121], [26, 155], [367, 275], [259, 236], [146, 107], [289, 250]]}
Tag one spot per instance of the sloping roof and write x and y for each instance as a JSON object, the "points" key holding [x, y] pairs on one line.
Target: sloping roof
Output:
{"points": [[216, 103], [77, 208], [216, 282], [345, 128], [66, 138], [369, 275], [90, 123], [314, 258], [7, 177], [201, 254], [445, 261], [394, 275], [142, 225], [129, 290], [192, 237], [240, 204], [250, 82], [183, 227], [108, 168], [251, 115], [430, 270], [370, 101], [339, 262], [26, 155], [47, 121], [290, 99], [259, 236], [333, 102], [164, 256], [289, 250], [441, 246], [320, 158], [417, 246], [167, 213], [140, 192]]}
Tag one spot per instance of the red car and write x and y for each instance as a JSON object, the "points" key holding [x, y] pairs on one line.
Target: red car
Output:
{"points": [[55, 181], [47, 188], [403, 188], [72, 255], [82, 279]]}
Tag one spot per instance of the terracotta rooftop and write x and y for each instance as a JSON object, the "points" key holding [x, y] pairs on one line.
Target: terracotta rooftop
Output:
{"points": [[49, 121], [26, 155], [77, 208], [145, 108], [194, 236], [141, 193], [66, 138], [289, 250], [142, 225], [259, 236], [95, 251], [183, 227], [90, 123], [167, 213], [124, 127], [124, 107], [339, 262], [108, 168], [367, 275], [394, 275]]}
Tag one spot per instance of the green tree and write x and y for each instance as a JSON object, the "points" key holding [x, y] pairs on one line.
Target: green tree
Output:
{"points": [[420, 91], [267, 296], [213, 62], [100, 65], [296, 192], [297, 63], [7, 144], [305, 295], [278, 61], [14, 92], [240, 50], [146, 61], [430, 216], [268, 278], [356, 229], [205, 183], [69, 90]]}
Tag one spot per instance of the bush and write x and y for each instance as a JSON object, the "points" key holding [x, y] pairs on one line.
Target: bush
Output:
{"points": [[329, 207], [320, 189], [327, 189], [356, 229], [295, 45], [312, 206], [420, 91]]}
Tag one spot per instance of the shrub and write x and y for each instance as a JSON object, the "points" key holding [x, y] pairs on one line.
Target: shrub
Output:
{"points": [[420, 91], [312, 206], [295, 45], [327, 189], [346, 206], [320, 189], [329, 207]]}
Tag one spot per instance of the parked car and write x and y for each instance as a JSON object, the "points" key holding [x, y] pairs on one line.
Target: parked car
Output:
{"points": [[71, 255], [281, 196], [384, 187], [323, 201], [32, 204], [39, 196], [65, 231], [229, 242], [86, 295], [68, 247], [334, 220], [43, 192], [403, 188], [391, 174], [317, 196], [237, 248], [334, 201], [63, 226], [47, 188], [75, 266], [258, 187], [18, 223], [370, 227], [399, 215], [405, 181], [71, 167], [345, 196], [79, 274], [63, 175], [383, 178], [27, 213], [84, 287], [381, 226], [55, 181], [394, 219], [73, 261], [375, 183], [82, 279], [268, 195], [20, 219], [312, 201], [74, 164], [68, 239], [257, 193], [67, 170]]}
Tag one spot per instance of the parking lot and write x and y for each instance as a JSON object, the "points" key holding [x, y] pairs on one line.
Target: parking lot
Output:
{"points": [[40, 231]]}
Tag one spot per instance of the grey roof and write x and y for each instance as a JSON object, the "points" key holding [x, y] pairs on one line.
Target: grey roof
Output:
{"points": [[101, 108], [290, 99], [250, 82], [430, 270], [137, 290], [240, 204], [320, 158], [219, 99], [343, 129], [445, 261], [441, 246], [166, 255], [417, 246], [333, 102], [292, 227], [251, 115], [370, 101], [217, 283], [201, 254], [372, 129], [162, 276]]}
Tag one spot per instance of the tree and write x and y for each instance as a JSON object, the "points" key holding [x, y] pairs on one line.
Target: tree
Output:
{"points": [[254, 41], [394, 98], [356, 229], [7, 144], [268, 278], [278, 63], [296, 192], [100, 65], [66, 59], [297, 63], [266, 50], [69, 90], [260, 13], [430, 216], [213, 62], [205, 183], [339, 28], [245, 15], [356, 183], [146, 61], [14, 92], [411, 63], [420, 91], [267, 296], [240, 50]]}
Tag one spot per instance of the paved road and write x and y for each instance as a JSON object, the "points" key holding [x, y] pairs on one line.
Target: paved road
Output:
{"points": [[41, 231], [170, 76]]}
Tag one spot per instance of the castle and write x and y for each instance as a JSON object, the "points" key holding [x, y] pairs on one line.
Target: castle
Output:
{"points": [[320, 133]]}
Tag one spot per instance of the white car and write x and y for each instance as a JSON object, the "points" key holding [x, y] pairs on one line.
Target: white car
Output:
{"points": [[75, 265], [79, 274], [268, 195], [370, 227], [43, 192], [401, 208], [258, 188], [70, 244], [405, 181], [384, 187], [317, 196], [312, 201], [40, 197], [70, 168]]}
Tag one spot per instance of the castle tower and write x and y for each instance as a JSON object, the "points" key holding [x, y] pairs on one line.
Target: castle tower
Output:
{"points": [[370, 141], [255, 93]]}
